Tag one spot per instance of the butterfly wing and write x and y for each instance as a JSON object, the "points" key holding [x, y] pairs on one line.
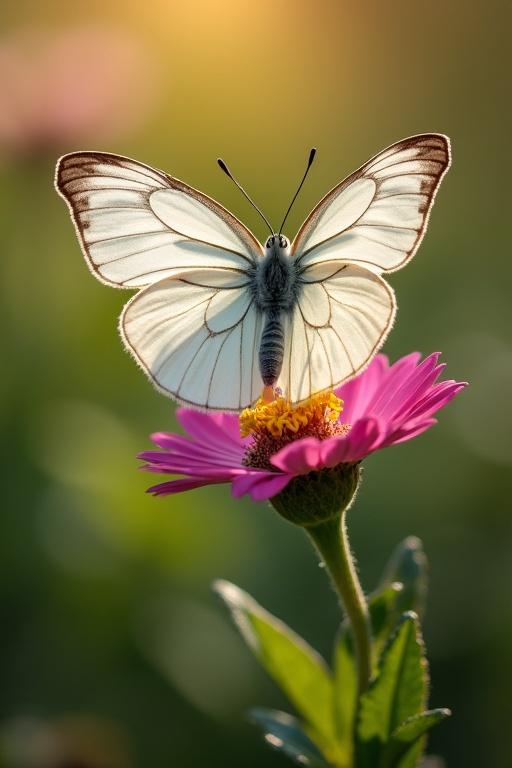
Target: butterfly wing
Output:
{"points": [[339, 322], [137, 225], [370, 223], [197, 340], [194, 329], [377, 217]]}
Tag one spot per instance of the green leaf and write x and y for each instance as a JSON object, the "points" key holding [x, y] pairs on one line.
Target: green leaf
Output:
{"points": [[384, 611], [408, 564], [383, 618], [407, 741], [398, 692], [345, 693], [284, 732], [417, 725], [299, 671]]}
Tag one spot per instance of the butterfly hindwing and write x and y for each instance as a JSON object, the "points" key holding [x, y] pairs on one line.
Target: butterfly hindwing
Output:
{"points": [[197, 342], [339, 323]]}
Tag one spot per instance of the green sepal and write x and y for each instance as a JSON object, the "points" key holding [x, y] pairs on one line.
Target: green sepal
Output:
{"points": [[299, 670], [286, 734], [409, 565], [407, 741], [398, 692], [318, 496]]}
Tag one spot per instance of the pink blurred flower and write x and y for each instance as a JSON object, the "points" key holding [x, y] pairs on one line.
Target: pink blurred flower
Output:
{"points": [[58, 88], [385, 405], [72, 739]]}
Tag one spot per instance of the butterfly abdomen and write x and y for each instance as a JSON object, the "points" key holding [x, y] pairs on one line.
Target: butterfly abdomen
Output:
{"points": [[271, 348]]}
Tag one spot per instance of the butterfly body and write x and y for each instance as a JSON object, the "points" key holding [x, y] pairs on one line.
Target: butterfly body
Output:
{"points": [[275, 289], [218, 315]]}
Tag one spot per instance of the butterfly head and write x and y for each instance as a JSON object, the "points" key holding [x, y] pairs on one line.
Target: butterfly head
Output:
{"points": [[277, 242]]}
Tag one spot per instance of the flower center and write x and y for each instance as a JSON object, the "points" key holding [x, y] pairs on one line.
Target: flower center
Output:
{"points": [[272, 425]]}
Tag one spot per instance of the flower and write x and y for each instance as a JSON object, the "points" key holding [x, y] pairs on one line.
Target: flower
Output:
{"points": [[77, 739], [78, 83], [269, 445]]}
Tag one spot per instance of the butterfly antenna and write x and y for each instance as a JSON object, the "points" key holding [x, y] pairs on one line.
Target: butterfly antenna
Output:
{"points": [[228, 173], [310, 163]]}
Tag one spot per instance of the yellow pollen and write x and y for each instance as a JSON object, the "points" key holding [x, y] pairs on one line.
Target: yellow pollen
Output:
{"points": [[279, 418]]}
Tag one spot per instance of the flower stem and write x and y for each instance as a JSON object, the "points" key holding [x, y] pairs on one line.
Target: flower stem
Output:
{"points": [[331, 540]]}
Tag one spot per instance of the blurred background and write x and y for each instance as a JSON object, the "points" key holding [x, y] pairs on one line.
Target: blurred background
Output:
{"points": [[113, 651]]}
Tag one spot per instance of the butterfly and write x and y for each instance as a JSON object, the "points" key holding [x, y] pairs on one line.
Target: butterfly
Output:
{"points": [[221, 317]]}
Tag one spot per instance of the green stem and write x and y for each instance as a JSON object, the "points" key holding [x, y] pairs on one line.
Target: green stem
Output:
{"points": [[331, 540]]}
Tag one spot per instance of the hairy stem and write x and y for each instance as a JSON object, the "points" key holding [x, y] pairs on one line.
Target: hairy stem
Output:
{"points": [[331, 540]]}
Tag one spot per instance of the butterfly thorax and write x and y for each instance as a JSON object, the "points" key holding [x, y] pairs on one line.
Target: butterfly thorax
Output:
{"points": [[275, 290], [275, 282]]}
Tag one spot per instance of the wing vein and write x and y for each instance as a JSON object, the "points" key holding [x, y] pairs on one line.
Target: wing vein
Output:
{"points": [[226, 337], [344, 348], [327, 358]]}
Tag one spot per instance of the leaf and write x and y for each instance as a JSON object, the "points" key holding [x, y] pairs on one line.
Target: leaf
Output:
{"points": [[300, 672], [345, 693], [384, 611], [408, 564], [398, 692], [417, 725], [284, 732], [407, 740], [383, 618]]}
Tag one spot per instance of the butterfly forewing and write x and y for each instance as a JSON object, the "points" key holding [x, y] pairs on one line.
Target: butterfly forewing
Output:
{"points": [[137, 225], [378, 215]]}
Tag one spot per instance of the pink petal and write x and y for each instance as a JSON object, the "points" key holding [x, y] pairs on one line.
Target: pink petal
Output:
{"points": [[299, 457], [332, 449], [197, 470], [186, 447], [414, 388], [408, 432], [259, 485], [437, 398], [175, 459], [400, 384], [220, 429], [365, 436], [177, 486], [358, 392]]}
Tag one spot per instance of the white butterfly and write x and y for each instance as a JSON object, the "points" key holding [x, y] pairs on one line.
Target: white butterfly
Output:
{"points": [[220, 316]]}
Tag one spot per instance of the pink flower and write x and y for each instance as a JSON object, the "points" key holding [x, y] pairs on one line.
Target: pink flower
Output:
{"points": [[384, 405], [81, 83]]}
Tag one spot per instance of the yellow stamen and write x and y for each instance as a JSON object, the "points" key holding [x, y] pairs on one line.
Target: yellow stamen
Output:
{"points": [[279, 417]]}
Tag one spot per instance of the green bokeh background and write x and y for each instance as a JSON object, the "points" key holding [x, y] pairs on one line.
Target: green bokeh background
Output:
{"points": [[105, 592]]}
